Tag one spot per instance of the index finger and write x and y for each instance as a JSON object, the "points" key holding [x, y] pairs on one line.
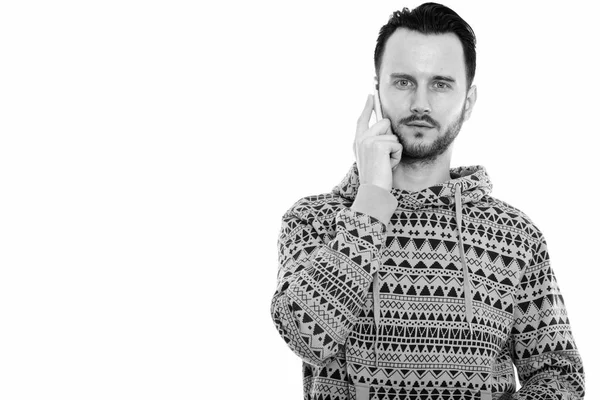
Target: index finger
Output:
{"points": [[363, 121]]}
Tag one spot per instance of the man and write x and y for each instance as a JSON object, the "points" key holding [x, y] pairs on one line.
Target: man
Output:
{"points": [[409, 280]]}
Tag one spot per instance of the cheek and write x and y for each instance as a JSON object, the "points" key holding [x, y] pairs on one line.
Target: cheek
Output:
{"points": [[446, 104], [396, 106], [447, 111]]}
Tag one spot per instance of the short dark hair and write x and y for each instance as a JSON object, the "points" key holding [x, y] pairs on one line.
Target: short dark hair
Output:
{"points": [[430, 18]]}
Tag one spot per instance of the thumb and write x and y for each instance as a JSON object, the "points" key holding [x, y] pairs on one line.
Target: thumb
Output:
{"points": [[395, 155]]}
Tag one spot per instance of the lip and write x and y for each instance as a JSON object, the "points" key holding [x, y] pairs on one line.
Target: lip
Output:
{"points": [[421, 125]]}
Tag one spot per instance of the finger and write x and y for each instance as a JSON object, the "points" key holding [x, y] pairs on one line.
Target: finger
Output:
{"points": [[381, 138], [379, 130], [396, 151], [395, 155], [382, 128], [362, 124], [379, 141], [370, 140]]}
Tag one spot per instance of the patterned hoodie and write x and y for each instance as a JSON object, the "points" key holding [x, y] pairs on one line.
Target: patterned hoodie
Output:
{"points": [[422, 295]]}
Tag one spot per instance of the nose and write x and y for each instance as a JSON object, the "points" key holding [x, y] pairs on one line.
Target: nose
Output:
{"points": [[420, 102]]}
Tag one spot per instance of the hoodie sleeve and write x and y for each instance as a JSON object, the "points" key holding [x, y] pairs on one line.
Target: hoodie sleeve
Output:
{"points": [[541, 343], [321, 287]]}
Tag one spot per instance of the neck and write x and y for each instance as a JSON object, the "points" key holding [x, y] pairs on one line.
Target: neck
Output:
{"points": [[416, 176]]}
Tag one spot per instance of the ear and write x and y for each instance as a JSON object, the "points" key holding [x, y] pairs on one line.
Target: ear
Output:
{"points": [[470, 101]]}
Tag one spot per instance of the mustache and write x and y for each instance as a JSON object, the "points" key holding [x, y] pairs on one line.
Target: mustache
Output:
{"points": [[415, 118]]}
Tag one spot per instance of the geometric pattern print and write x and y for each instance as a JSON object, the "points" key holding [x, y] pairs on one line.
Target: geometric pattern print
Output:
{"points": [[322, 288], [323, 304], [542, 339]]}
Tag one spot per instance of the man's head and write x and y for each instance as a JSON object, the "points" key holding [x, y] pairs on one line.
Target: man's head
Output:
{"points": [[430, 19], [425, 65]]}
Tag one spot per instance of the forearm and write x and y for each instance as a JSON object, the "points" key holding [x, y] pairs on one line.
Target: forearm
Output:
{"points": [[316, 308]]}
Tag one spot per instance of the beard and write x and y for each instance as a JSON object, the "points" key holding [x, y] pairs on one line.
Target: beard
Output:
{"points": [[420, 153]]}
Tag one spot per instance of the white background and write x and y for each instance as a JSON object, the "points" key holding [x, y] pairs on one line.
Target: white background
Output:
{"points": [[148, 150]]}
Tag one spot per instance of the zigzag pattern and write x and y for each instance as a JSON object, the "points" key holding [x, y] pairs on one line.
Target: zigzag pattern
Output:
{"points": [[323, 306]]}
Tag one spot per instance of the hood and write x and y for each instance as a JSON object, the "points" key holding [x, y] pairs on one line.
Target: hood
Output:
{"points": [[473, 181], [467, 185]]}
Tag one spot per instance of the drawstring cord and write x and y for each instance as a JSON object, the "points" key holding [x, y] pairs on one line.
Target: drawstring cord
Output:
{"points": [[376, 312], [466, 280]]}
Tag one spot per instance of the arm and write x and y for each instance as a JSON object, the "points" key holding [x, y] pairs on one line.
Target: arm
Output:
{"points": [[542, 345], [321, 287]]}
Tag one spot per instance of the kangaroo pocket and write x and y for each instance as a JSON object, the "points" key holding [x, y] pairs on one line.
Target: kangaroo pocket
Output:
{"points": [[434, 378], [403, 392]]}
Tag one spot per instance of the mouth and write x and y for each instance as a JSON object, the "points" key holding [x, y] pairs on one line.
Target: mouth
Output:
{"points": [[420, 125]]}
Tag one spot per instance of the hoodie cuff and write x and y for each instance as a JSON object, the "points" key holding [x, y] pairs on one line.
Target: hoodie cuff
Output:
{"points": [[375, 201]]}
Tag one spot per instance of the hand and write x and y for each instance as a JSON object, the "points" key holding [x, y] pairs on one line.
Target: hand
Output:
{"points": [[376, 149]]}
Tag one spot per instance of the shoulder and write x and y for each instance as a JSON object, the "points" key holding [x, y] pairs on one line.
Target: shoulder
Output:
{"points": [[322, 206], [509, 217]]}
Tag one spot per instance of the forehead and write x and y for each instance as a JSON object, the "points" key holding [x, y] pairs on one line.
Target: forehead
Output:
{"points": [[418, 54]]}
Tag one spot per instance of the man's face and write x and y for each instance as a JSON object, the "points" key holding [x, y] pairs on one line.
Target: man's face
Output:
{"points": [[423, 91]]}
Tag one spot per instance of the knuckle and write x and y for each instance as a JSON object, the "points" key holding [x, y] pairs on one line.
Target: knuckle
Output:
{"points": [[378, 145], [366, 142]]}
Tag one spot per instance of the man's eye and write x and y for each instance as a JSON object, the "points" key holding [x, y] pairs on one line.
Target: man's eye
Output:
{"points": [[404, 83], [441, 85]]}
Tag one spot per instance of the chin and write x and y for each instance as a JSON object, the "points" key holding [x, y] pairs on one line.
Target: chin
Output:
{"points": [[417, 151], [417, 142]]}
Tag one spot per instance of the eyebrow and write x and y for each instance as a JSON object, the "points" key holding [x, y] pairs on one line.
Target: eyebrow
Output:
{"points": [[410, 77], [443, 78]]}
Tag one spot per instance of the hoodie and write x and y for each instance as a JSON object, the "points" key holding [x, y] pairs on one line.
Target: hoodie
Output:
{"points": [[432, 294]]}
